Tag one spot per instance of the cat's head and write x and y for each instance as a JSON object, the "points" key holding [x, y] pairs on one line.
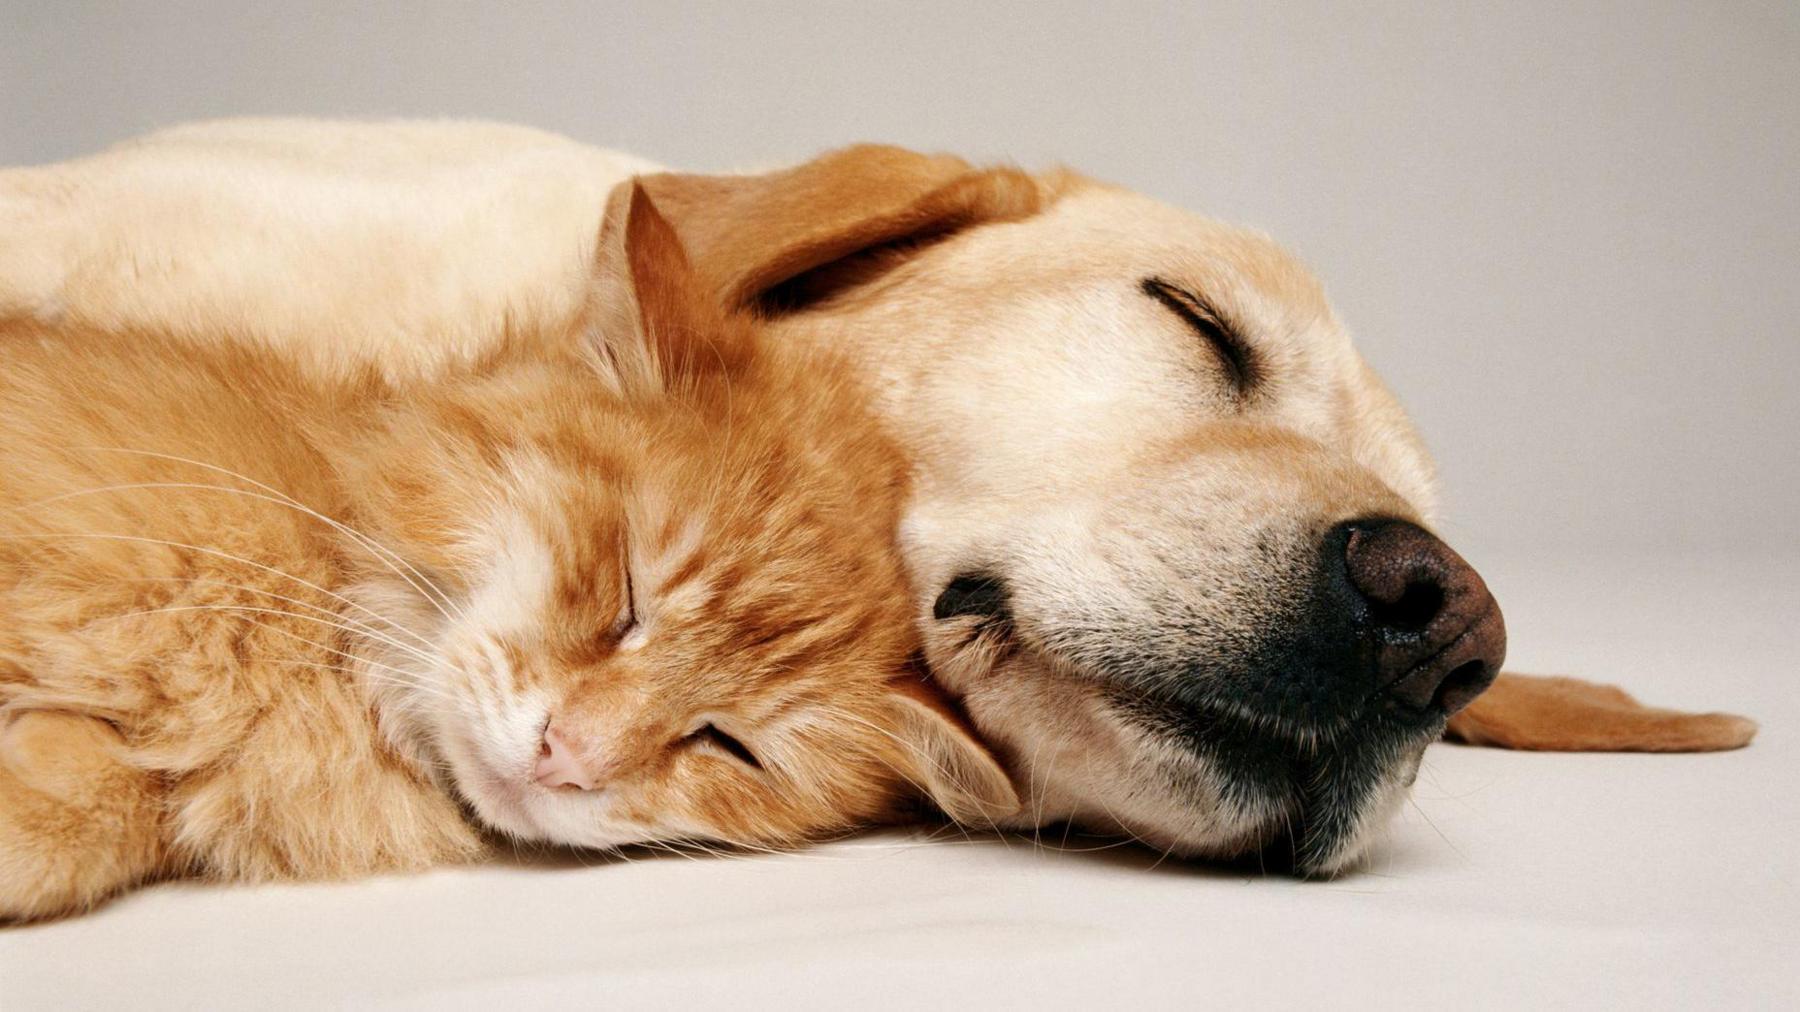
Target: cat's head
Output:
{"points": [[664, 605]]}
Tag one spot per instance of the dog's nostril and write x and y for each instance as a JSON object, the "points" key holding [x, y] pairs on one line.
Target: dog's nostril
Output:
{"points": [[1462, 685], [1404, 575], [982, 595], [1419, 603]]}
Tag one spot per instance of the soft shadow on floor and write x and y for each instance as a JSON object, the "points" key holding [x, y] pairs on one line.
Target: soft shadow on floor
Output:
{"points": [[1051, 844]]}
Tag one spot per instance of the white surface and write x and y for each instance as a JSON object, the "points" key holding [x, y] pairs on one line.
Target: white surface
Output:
{"points": [[1561, 880]]}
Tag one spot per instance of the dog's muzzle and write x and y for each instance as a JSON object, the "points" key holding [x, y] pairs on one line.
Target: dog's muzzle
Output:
{"points": [[1312, 718], [1399, 633], [1326, 710]]}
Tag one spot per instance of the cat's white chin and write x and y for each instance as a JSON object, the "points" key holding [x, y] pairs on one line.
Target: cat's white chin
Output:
{"points": [[578, 819], [503, 797], [499, 799], [565, 818]]}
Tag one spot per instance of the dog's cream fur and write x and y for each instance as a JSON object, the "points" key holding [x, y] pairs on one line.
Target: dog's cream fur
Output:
{"points": [[401, 244], [1069, 433]]}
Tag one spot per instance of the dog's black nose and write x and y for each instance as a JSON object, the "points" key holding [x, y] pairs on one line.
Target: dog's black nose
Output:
{"points": [[1437, 634]]}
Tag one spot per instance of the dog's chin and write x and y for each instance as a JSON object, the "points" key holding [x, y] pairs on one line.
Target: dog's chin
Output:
{"points": [[1315, 801], [1200, 777], [1328, 834]]}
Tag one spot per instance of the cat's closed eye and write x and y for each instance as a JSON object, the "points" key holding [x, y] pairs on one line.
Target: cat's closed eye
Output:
{"points": [[627, 622], [709, 736]]}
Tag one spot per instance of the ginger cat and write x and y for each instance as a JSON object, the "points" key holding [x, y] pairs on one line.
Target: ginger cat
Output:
{"points": [[627, 585]]}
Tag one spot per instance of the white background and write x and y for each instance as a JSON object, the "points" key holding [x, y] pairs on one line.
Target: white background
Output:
{"points": [[1569, 234]]}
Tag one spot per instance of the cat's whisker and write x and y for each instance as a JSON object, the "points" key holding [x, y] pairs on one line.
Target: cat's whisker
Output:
{"points": [[374, 546], [214, 552], [409, 680], [278, 498], [734, 850], [405, 679], [201, 582], [374, 678], [253, 609], [666, 848], [744, 848]]}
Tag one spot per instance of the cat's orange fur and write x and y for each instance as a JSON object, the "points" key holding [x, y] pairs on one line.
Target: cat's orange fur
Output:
{"points": [[202, 675]]}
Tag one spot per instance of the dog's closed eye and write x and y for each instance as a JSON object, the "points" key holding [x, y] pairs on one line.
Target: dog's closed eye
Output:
{"points": [[1235, 354]]}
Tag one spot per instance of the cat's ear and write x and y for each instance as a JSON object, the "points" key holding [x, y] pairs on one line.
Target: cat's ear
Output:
{"points": [[651, 323], [946, 759]]}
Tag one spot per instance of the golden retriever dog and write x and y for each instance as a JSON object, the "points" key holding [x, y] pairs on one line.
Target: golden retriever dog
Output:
{"points": [[1170, 539]]}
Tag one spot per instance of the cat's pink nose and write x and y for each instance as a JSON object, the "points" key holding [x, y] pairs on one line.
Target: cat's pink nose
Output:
{"points": [[557, 764]]}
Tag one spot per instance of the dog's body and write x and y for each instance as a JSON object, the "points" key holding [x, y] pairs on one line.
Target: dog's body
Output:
{"points": [[1133, 429], [401, 244]]}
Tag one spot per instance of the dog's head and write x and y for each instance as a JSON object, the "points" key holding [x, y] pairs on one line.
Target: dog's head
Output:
{"points": [[1169, 539]]}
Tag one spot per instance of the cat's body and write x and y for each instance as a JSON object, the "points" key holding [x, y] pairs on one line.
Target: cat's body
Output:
{"points": [[256, 625], [220, 667]]}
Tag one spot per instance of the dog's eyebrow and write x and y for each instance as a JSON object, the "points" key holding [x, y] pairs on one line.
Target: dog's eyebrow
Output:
{"points": [[1238, 358]]}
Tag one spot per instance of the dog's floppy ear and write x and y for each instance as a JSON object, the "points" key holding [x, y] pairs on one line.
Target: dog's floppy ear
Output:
{"points": [[1570, 715], [783, 240]]}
